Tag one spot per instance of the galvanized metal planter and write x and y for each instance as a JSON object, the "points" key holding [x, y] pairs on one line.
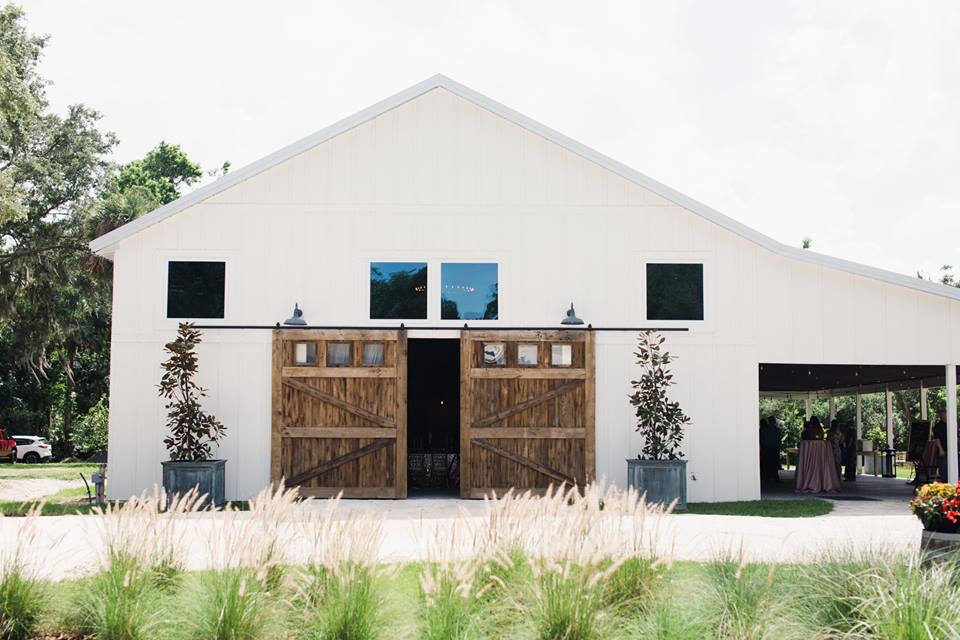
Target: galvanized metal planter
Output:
{"points": [[207, 476], [663, 481], [939, 546]]}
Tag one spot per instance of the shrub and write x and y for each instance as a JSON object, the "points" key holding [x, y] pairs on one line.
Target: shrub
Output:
{"points": [[192, 431], [90, 434], [659, 420]]}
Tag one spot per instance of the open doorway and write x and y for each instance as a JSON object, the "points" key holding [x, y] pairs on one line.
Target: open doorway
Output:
{"points": [[433, 416]]}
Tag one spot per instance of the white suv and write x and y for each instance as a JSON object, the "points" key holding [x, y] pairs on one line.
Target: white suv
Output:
{"points": [[32, 448]]}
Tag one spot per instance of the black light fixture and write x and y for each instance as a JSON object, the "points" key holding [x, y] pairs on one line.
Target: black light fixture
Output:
{"points": [[571, 317], [297, 318]]}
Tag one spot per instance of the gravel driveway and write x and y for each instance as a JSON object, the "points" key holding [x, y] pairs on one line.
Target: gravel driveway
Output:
{"points": [[32, 489]]}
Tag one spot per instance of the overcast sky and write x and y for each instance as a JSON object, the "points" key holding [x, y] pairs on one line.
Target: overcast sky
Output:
{"points": [[834, 120]]}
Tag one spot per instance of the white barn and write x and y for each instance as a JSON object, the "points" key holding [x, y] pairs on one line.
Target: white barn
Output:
{"points": [[444, 188]]}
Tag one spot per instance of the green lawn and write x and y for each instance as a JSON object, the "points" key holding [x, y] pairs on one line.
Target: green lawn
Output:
{"points": [[807, 508], [50, 471], [63, 503]]}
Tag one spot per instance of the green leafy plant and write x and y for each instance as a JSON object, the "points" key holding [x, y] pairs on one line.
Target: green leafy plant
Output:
{"points": [[659, 420], [192, 430], [90, 433]]}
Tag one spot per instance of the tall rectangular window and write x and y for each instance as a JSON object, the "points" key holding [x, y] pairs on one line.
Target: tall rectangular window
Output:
{"points": [[469, 291], [674, 291], [398, 290], [195, 289]]}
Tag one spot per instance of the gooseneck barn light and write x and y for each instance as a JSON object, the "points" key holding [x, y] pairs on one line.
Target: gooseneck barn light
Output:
{"points": [[571, 317], [297, 318]]}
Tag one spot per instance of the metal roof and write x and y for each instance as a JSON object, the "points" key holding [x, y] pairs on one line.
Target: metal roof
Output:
{"points": [[106, 242]]}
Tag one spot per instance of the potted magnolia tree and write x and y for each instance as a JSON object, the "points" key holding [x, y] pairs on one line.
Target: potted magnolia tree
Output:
{"points": [[659, 471], [193, 432]]}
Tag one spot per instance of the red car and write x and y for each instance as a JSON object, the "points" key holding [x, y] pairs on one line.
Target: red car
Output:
{"points": [[8, 447]]}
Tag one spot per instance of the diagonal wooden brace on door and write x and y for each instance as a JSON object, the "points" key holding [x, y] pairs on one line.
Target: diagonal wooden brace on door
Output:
{"points": [[336, 462], [527, 404], [524, 460], [322, 396]]}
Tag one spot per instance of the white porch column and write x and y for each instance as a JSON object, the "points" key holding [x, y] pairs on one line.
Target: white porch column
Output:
{"points": [[951, 423], [923, 402], [808, 406], [860, 458], [889, 419]]}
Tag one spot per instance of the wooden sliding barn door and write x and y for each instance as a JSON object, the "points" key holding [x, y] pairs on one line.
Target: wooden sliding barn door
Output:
{"points": [[526, 410], [340, 412]]}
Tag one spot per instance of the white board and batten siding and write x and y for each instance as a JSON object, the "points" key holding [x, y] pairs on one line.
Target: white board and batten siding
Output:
{"points": [[439, 177]]}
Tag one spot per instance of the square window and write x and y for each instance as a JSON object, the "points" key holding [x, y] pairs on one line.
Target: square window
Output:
{"points": [[469, 291], [195, 289], [373, 353], [561, 355], [493, 354], [398, 290], [338, 354], [528, 355], [305, 353], [674, 291]]}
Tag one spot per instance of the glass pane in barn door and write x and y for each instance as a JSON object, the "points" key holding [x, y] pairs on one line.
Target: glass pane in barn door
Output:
{"points": [[338, 354], [305, 353], [494, 354], [373, 353], [527, 355], [561, 355]]}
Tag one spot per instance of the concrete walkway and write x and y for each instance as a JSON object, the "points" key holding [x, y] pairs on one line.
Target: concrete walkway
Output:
{"points": [[867, 496], [69, 546]]}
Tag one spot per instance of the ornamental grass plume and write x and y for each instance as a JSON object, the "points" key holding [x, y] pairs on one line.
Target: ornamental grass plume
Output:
{"points": [[338, 590], [234, 601], [451, 590]]}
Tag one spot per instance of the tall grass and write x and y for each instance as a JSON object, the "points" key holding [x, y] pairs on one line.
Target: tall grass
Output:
{"points": [[119, 603], [235, 600], [452, 590], [339, 596], [22, 598], [742, 599]]}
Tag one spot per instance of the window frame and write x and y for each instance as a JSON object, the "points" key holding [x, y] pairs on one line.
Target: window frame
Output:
{"points": [[163, 274], [702, 258], [434, 293]]}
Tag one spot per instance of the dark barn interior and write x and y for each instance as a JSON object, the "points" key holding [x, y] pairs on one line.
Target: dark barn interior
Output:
{"points": [[433, 415]]}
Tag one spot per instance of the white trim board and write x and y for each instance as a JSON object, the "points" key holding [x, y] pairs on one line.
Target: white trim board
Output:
{"points": [[104, 244]]}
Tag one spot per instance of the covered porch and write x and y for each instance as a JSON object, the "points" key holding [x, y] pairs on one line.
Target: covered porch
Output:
{"points": [[861, 396]]}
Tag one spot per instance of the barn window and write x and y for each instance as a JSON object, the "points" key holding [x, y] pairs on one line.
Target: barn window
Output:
{"points": [[398, 290], [494, 354], [469, 291], [674, 291], [195, 289]]}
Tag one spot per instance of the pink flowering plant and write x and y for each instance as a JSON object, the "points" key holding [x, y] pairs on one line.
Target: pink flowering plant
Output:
{"points": [[937, 505]]}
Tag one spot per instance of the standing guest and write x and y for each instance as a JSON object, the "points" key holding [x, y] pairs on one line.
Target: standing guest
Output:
{"points": [[812, 429], [940, 434], [773, 423], [770, 441], [835, 438], [850, 453]]}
